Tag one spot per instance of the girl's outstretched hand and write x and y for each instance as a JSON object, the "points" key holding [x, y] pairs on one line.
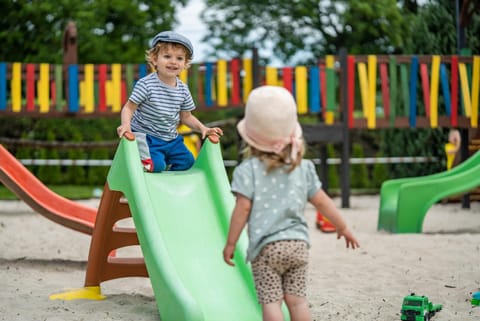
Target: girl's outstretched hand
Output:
{"points": [[350, 240]]}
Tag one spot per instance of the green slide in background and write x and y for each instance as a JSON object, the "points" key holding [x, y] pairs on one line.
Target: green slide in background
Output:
{"points": [[404, 202], [182, 221]]}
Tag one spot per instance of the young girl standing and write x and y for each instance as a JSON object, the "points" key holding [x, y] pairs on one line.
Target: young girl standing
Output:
{"points": [[272, 186]]}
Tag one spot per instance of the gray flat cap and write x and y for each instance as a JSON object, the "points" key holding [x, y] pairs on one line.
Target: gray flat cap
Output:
{"points": [[170, 36]]}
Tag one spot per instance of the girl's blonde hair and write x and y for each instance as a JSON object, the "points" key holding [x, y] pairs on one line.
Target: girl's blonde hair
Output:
{"points": [[274, 161], [152, 53]]}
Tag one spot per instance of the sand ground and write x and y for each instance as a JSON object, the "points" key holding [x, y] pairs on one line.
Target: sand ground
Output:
{"points": [[39, 258]]}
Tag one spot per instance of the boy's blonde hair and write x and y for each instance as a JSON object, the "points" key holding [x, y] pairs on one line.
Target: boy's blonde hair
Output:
{"points": [[152, 53], [273, 160]]}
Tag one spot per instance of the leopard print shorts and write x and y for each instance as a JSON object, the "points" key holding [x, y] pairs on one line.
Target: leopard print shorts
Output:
{"points": [[279, 269]]}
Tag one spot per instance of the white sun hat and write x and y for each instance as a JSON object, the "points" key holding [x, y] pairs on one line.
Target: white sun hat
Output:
{"points": [[270, 122]]}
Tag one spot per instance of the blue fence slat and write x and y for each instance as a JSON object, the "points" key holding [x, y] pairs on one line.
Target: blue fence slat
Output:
{"points": [[73, 103], [446, 91], [314, 89], [208, 84], [413, 92], [142, 70], [3, 86]]}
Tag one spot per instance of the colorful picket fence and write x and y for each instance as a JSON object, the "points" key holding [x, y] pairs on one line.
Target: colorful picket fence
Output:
{"points": [[380, 89]]}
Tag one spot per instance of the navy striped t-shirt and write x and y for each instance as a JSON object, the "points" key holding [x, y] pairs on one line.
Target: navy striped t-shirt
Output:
{"points": [[159, 106]]}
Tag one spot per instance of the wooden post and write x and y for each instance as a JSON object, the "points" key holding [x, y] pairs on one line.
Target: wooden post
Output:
{"points": [[345, 167], [256, 68], [70, 44], [70, 56]]}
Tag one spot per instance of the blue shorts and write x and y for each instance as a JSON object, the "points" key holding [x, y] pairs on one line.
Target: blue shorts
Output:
{"points": [[158, 155]]}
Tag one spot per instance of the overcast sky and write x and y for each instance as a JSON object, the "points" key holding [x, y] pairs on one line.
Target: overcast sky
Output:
{"points": [[192, 27]]}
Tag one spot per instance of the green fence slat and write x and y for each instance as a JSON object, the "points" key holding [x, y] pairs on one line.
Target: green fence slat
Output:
{"points": [[193, 82], [331, 95], [405, 93], [58, 87], [129, 76]]}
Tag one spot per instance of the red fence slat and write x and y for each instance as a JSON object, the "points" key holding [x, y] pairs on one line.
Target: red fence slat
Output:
{"points": [[235, 76], [30, 77]]}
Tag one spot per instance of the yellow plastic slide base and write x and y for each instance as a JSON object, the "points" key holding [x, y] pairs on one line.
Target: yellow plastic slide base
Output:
{"points": [[86, 293]]}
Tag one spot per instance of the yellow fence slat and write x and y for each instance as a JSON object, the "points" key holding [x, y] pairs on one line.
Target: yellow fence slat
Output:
{"points": [[222, 92], [81, 95], [43, 88], [462, 69], [116, 90], [330, 61], [16, 87], [184, 76], [88, 89], [434, 83], [108, 91], [301, 89], [372, 91], [475, 91], [363, 80], [271, 76], [247, 78]]}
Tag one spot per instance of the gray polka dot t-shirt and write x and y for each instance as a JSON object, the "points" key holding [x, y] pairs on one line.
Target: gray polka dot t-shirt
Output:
{"points": [[278, 201]]}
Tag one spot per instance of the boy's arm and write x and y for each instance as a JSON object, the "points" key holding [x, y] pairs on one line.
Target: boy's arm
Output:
{"points": [[125, 117], [324, 204], [191, 121]]}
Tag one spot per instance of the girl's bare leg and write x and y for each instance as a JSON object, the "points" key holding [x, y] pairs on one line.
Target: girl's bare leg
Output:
{"points": [[272, 311], [298, 308]]}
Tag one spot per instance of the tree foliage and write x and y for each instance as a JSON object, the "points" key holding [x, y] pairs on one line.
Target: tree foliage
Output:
{"points": [[434, 30], [379, 173], [372, 27], [332, 170], [359, 172], [301, 31], [108, 31]]}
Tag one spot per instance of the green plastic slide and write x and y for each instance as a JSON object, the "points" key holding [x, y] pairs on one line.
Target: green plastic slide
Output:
{"points": [[182, 221], [404, 202]]}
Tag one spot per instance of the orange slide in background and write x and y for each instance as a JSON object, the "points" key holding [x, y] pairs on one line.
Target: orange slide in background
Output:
{"points": [[41, 199]]}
